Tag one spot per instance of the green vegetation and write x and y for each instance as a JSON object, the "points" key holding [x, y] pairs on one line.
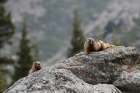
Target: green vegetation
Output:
{"points": [[25, 59], [6, 26], [2, 82], [7, 30], [77, 39]]}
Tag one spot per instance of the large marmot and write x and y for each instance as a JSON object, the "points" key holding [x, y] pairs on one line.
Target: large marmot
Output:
{"points": [[95, 45]]}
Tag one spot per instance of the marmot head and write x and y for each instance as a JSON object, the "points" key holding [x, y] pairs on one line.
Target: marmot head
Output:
{"points": [[90, 41], [37, 65]]}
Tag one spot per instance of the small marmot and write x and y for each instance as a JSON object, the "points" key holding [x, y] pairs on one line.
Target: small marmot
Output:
{"points": [[35, 67], [94, 45]]}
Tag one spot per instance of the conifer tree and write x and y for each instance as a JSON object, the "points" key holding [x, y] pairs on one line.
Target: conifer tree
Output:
{"points": [[7, 30], [25, 59], [6, 26], [77, 39]]}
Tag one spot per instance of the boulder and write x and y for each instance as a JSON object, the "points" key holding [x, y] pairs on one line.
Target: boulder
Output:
{"points": [[129, 82], [57, 81], [92, 73], [103, 66]]}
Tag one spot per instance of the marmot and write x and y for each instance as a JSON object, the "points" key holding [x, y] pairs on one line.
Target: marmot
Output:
{"points": [[35, 67], [94, 45]]}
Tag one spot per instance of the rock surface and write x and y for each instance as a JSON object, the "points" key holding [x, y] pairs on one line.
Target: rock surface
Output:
{"points": [[101, 67], [58, 81], [84, 73], [129, 82]]}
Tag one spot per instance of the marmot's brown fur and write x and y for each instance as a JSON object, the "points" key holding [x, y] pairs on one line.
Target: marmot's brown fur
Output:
{"points": [[35, 67], [94, 45]]}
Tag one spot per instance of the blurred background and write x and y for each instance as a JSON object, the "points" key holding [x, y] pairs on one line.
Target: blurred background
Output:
{"points": [[52, 30]]}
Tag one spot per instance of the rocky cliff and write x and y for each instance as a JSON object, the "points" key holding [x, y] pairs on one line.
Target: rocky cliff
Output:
{"points": [[114, 70]]}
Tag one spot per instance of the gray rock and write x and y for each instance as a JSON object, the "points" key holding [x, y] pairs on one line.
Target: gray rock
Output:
{"points": [[101, 67], [129, 82], [57, 81], [82, 73]]}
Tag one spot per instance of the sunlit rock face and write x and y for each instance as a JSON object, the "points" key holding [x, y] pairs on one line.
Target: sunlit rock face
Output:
{"points": [[98, 72]]}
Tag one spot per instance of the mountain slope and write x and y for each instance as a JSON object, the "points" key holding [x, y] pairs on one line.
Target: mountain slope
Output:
{"points": [[50, 20]]}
